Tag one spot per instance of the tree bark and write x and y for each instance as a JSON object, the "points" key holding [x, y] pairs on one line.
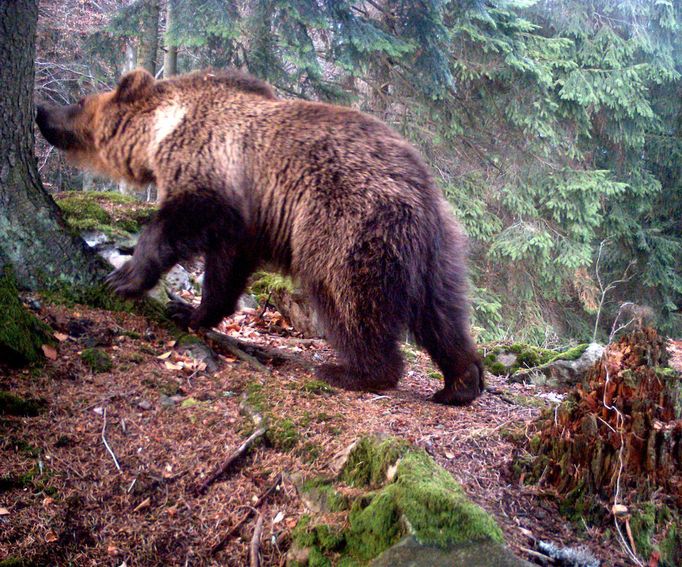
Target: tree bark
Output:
{"points": [[149, 36], [170, 58], [33, 236]]}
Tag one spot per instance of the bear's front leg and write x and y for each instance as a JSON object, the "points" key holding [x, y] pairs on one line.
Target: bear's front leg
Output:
{"points": [[154, 255], [226, 273]]}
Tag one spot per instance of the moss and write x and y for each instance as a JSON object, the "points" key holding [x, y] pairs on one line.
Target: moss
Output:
{"points": [[22, 335], [409, 352], [317, 387], [14, 561], [370, 459], [282, 434], [436, 507], [97, 360], [100, 296], [255, 397], [11, 404], [23, 447], [83, 211], [436, 375], [263, 284], [497, 368], [376, 527], [643, 526], [322, 490], [310, 452], [419, 497], [528, 356], [671, 546], [572, 353]]}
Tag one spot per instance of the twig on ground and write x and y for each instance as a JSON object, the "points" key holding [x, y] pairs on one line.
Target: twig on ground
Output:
{"points": [[251, 509], [227, 463], [254, 354], [104, 440], [541, 556], [254, 548]]}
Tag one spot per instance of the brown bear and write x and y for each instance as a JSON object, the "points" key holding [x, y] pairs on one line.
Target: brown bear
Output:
{"points": [[325, 193]]}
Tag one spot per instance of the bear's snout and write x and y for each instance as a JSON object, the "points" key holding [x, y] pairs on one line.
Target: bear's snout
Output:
{"points": [[53, 124]]}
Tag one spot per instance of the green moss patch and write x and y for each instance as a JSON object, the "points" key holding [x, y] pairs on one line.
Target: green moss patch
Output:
{"points": [[403, 492], [111, 213], [97, 360], [11, 404], [526, 356], [264, 284], [22, 335]]}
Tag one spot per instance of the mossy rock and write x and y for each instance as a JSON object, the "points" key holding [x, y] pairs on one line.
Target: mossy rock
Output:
{"points": [[97, 360], [508, 359], [403, 492], [110, 213], [22, 335]]}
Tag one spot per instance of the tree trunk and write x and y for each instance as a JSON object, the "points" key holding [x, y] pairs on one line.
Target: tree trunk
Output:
{"points": [[170, 59], [149, 36], [129, 64], [33, 237]]}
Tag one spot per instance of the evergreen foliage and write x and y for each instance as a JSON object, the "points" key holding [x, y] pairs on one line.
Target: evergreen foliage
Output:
{"points": [[551, 128]]}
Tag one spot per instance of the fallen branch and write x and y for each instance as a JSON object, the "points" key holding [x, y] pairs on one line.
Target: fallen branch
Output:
{"points": [[104, 440], [254, 548], [251, 509], [260, 353], [235, 348], [241, 451]]}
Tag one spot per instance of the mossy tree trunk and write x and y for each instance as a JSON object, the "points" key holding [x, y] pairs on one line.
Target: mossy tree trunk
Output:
{"points": [[33, 237]]}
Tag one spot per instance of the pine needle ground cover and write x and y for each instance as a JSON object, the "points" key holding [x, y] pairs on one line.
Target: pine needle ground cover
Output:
{"points": [[171, 423]]}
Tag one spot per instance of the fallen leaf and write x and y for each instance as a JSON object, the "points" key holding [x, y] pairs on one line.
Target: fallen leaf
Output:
{"points": [[47, 501], [165, 355], [4, 512], [51, 537], [170, 344], [171, 366], [278, 518], [50, 352], [61, 337]]}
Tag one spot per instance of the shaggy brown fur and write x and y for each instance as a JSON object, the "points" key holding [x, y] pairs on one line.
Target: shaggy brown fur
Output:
{"points": [[325, 193]]}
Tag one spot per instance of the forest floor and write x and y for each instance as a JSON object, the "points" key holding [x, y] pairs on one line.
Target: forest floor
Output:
{"points": [[170, 424]]}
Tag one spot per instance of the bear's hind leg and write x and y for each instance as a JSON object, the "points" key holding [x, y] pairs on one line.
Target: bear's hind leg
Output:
{"points": [[368, 351]]}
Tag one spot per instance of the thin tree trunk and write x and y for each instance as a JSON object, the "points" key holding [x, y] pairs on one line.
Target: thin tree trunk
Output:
{"points": [[149, 36], [33, 237], [170, 58], [129, 64]]}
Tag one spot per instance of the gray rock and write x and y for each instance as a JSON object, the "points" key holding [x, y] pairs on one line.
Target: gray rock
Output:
{"points": [[507, 358], [561, 373], [95, 239], [247, 301], [145, 405], [178, 279], [408, 552]]}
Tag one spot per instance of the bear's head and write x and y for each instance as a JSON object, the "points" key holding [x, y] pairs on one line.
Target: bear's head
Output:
{"points": [[79, 129]]}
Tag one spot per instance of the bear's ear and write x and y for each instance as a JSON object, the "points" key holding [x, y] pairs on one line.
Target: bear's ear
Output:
{"points": [[133, 86]]}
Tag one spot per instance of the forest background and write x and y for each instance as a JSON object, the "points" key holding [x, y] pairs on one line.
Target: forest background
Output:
{"points": [[553, 127]]}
